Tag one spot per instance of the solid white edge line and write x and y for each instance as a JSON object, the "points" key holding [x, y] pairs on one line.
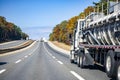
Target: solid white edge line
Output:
{"points": [[3, 70], [52, 55], [60, 62], [47, 50], [18, 61], [76, 75]]}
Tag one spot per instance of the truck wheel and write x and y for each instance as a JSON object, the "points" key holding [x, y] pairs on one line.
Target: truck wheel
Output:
{"points": [[71, 57], [78, 61], [71, 60], [81, 60], [110, 64], [118, 71]]}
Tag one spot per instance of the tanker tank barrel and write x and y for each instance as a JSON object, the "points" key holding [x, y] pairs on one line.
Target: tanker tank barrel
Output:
{"points": [[96, 38], [103, 28]]}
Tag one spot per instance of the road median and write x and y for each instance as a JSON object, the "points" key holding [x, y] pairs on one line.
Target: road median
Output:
{"points": [[27, 43]]}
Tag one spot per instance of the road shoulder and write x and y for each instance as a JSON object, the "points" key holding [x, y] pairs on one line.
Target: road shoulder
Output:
{"points": [[57, 48]]}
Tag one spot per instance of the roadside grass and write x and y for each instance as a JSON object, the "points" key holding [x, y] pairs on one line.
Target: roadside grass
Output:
{"points": [[61, 45]]}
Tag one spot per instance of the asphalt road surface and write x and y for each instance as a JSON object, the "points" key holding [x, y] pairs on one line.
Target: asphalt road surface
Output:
{"points": [[11, 44], [41, 62]]}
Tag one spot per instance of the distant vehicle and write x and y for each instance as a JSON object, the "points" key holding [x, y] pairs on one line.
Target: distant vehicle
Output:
{"points": [[42, 39], [96, 40]]}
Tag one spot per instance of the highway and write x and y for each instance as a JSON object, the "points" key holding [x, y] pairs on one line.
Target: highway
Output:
{"points": [[40, 62], [11, 44]]}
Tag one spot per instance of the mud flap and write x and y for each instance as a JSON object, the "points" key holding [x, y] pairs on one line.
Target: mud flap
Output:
{"points": [[88, 60]]}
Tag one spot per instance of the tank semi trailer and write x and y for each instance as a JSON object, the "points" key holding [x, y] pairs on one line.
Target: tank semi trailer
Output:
{"points": [[96, 40]]}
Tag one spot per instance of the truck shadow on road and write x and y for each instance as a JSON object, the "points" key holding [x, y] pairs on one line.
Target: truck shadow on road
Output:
{"points": [[97, 67], [3, 63]]}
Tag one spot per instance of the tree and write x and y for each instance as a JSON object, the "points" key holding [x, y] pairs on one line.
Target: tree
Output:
{"points": [[10, 31], [61, 31], [81, 15], [88, 10], [24, 36]]}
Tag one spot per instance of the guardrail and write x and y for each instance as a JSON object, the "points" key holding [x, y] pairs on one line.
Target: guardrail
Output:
{"points": [[16, 48]]}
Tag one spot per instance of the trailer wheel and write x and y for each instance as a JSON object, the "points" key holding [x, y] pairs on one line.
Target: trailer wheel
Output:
{"points": [[78, 61], [81, 57], [118, 71], [71, 57], [71, 60], [110, 64]]}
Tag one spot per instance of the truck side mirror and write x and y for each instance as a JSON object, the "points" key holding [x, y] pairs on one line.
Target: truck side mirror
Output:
{"points": [[70, 39], [70, 36]]}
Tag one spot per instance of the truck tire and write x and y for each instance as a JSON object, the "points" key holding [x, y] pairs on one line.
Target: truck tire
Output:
{"points": [[71, 61], [78, 61], [110, 64], [118, 71], [78, 58], [81, 57], [71, 55]]}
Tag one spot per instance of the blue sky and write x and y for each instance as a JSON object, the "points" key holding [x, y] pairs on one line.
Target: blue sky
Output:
{"points": [[41, 14]]}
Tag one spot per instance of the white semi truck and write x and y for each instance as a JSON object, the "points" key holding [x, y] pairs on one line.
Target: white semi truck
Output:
{"points": [[96, 40]]}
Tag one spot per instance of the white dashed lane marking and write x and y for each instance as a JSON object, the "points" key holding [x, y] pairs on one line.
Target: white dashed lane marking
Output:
{"points": [[3, 70], [52, 55], [60, 62], [72, 72], [18, 61], [76, 75]]}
